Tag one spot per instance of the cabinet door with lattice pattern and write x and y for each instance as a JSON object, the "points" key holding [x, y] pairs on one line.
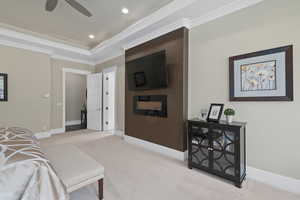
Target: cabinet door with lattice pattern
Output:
{"points": [[199, 146], [223, 151]]}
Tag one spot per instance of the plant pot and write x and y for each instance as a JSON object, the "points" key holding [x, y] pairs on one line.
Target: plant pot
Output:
{"points": [[229, 118]]}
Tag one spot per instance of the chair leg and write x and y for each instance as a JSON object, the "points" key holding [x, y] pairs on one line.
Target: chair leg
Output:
{"points": [[100, 189]]}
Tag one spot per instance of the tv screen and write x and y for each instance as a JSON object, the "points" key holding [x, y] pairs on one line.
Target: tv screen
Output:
{"points": [[148, 72]]}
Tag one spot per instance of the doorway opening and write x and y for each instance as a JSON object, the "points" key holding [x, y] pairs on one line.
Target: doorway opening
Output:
{"points": [[74, 99], [89, 100]]}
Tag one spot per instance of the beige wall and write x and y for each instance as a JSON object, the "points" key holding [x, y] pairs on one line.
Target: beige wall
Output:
{"points": [[120, 98], [28, 82], [75, 95], [57, 90], [273, 134], [32, 75]]}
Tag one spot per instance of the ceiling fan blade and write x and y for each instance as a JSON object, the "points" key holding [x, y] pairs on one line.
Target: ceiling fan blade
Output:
{"points": [[79, 7], [51, 5]]}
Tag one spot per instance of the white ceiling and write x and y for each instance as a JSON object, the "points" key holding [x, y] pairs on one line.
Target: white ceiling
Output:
{"points": [[176, 14], [66, 24]]}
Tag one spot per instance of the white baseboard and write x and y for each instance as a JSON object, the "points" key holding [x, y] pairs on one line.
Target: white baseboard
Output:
{"points": [[157, 148], [42, 135], [57, 131], [74, 122], [48, 134], [119, 133], [275, 180]]}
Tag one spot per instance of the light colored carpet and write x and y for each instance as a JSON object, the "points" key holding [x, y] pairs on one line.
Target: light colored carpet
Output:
{"points": [[133, 173]]}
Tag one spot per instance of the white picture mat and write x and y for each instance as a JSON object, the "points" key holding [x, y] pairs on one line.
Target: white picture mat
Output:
{"points": [[280, 76]]}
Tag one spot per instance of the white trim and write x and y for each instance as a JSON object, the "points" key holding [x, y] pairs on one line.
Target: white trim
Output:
{"points": [[110, 69], [151, 19], [64, 71], [42, 135], [47, 134], [157, 148], [224, 10], [73, 122], [119, 133], [24, 46], [86, 61], [76, 71], [40, 41], [275, 180], [58, 131], [158, 32], [110, 57]]}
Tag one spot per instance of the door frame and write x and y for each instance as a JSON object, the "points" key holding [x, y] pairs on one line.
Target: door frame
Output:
{"points": [[114, 69], [65, 71]]}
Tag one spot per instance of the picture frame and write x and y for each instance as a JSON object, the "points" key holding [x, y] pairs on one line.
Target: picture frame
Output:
{"points": [[262, 76], [215, 112], [3, 87]]}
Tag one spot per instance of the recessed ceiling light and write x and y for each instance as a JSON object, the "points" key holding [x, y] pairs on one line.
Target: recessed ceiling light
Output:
{"points": [[125, 10], [91, 36]]}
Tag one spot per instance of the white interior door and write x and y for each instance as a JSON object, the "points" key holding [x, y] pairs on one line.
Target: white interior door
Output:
{"points": [[94, 101], [109, 93]]}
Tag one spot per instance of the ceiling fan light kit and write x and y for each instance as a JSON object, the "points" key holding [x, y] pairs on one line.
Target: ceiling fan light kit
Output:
{"points": [[52, 4]]}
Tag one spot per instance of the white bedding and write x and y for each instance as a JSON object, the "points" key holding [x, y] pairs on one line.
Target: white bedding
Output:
{"points": [[25, 174]]}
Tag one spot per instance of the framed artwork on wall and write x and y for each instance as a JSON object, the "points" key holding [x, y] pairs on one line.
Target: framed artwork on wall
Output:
{"points": [[262, 76], [215, 112], [3, 87]]}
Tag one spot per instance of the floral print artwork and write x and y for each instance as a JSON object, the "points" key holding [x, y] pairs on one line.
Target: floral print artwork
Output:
{"points": [[258, 76]]}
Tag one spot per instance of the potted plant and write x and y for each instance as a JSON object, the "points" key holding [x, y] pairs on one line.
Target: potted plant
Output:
{"points": [[229, 113]]}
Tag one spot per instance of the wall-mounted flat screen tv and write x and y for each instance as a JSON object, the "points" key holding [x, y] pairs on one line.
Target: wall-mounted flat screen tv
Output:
{"points": [[149, 72]]}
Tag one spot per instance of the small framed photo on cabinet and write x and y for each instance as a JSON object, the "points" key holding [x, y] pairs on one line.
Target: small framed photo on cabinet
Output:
{"points": [[215, 112]]}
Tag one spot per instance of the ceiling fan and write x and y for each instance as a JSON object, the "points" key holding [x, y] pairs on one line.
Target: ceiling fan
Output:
{"points": [[51, 5]]}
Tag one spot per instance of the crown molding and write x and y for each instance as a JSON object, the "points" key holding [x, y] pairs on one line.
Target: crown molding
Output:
{"points": [[111, 56], [20, 45], [87, 62], [154, 34], [222, 11], [160, 22], [159, 32], [40, 41], [153, 18]]}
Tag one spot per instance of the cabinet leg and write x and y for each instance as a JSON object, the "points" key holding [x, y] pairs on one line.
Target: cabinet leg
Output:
{"points": [[100, 186], [238, 185]]}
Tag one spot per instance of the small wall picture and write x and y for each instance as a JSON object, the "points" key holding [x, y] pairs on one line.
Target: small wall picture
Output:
{"points": [[262, 76], [215, 112], [3, 87]]}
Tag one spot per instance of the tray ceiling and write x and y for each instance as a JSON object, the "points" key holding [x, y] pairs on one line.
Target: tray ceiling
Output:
{"points": [[66, 24]]}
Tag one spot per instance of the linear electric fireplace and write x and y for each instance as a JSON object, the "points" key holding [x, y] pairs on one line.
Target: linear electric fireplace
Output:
{"points": [[152, 105]]}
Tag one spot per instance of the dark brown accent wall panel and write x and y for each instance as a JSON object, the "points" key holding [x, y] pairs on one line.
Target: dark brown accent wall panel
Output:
{"points": [[170, 131]]}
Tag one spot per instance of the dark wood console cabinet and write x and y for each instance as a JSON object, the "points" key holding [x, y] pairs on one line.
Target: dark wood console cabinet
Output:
{"points": [[218, 148]]}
